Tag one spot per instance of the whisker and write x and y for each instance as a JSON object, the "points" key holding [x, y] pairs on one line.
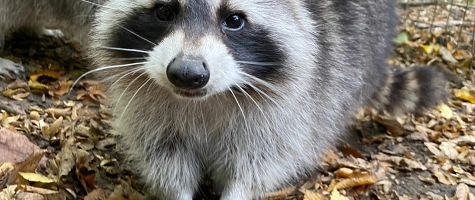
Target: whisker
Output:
{"points": [[265, 83], [133, 96], [239, 105], [204, 122], [266, 117], [138, 36], [126, 88], [258, 63], [103, 68], [128, 72], [261, 92], [250, 97], [96, 4], [136, 58], [148, 88], [125, 49]]}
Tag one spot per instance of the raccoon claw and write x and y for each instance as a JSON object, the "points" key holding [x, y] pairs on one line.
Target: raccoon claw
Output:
{"points": [[11, 69]]}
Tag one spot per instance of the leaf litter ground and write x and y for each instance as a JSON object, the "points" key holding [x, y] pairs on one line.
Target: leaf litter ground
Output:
{"points": [[59, 145]]}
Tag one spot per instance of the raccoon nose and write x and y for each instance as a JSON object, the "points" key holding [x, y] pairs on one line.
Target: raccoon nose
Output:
{"points": [[188, 74]]}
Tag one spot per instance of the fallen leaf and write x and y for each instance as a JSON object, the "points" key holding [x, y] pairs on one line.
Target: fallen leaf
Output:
{"points": [[464, 94], [45, 72], [462, 192], [33, 177], [449, 150], [402, 38], [447, 56], [366, 179], [335, 195], [445, 111], [444, 177], [311, 195]]}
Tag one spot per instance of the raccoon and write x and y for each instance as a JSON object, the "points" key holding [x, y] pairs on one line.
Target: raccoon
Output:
{"points": [[249, 92], [44, 17]]}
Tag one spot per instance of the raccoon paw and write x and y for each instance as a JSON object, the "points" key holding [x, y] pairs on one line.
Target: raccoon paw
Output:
{"points": [[11, 69]]}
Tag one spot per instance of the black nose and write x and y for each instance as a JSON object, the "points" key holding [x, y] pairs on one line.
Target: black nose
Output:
{"points": [[188, 73]]}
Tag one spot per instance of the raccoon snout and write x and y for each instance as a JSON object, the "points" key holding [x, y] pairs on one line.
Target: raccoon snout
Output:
{"points": [[188, 74]]}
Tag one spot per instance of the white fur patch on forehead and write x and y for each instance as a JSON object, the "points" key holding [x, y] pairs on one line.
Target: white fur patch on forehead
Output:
{"points": [[261, 11], [213, 3]]}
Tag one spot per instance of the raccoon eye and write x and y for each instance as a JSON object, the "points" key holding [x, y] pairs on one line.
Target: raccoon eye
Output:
{"points": [[164, 13], [234, 22]]}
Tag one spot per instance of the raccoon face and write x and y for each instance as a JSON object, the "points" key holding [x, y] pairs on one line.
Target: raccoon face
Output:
{"points": [[196, 49]]}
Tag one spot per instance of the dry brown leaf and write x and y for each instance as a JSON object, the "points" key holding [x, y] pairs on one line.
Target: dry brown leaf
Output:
{"points": [[433, 148], [51, 130], [96, 194], [66, 157], [449, 150], [5, 170], [34, 115], [392, 125], [17, 84], [464, 140], [402, 162], [335, 195], [311, 195], [343, 172], [37, 190], [444, 178], [347, 151], [447, 56], [462, 192], [434, 196], [365, 179], [28, 165], [34, 177], [10, 93], [63, 87], [8, 193], [57, 112], [281, 193], [429, 179]]}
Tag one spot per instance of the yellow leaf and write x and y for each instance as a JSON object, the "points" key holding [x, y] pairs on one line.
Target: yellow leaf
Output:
{"points": [[36, 177], [465, 95], [45, 72], [37, 85], [335, 195], [7, 120], [431, 48], [445, 111]]}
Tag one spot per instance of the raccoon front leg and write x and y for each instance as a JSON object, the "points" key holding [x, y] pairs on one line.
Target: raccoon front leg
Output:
{"points": [[236, 192], [169, 167]]}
